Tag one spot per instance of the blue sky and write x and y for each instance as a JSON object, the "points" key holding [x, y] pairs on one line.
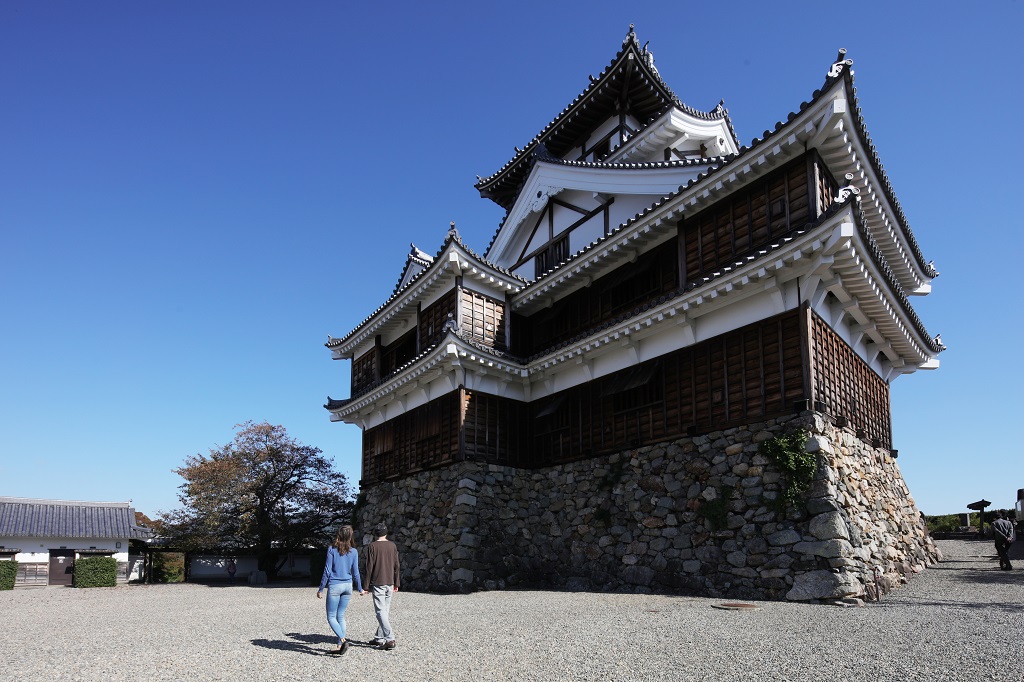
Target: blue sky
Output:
{"points": [[194, 195]]}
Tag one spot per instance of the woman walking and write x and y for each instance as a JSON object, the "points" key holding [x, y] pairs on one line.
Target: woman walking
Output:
{"points": [[340, 572]]}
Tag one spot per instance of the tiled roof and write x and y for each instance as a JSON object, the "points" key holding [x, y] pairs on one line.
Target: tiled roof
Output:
{"points": [[862, 132], [632, 165], [23, 517], [551, 136], [452, 236], [841, 71], [933, 343], [721, 163], [415, 257]]}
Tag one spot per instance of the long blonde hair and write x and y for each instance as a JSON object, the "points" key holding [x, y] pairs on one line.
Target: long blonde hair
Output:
{"points": [[344, 540]]}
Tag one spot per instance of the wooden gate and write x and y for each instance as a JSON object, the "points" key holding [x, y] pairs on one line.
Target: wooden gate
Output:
{"points": [[62, 566]]}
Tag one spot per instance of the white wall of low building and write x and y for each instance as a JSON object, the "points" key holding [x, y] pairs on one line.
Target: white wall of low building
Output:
{"points": [[206, 566], [37, 550], [214, 566]]}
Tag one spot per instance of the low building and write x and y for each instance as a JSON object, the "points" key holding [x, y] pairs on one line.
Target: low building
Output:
{"points": [[46, 537]]}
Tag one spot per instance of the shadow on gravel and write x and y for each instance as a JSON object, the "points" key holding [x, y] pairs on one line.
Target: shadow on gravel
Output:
{"points": [[300, 643], [992, 576], [243, 583], [316, 645]]}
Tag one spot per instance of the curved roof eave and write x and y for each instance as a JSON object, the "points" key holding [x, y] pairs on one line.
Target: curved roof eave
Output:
{"points": [[687, 297], [425, 363], [747, 154], [722, 282], [886, 186]]}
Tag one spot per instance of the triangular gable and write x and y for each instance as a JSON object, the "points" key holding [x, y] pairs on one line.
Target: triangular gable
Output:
{"points": [[630, 86], [453, 258], [416, 262]]}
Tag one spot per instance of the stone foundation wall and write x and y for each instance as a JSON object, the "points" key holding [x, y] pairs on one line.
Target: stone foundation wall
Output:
{"points": [[656, 519]]}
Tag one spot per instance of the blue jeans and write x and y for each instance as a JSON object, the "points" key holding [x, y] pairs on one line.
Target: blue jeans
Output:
{"points": [[338, 595]]}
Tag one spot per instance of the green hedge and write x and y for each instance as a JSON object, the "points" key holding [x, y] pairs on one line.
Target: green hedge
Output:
{"points": [[8, 572], [96, 571]]}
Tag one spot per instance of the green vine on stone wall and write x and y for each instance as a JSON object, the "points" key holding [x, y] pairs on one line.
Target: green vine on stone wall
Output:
{"points": [[716, 511], [789, 454], [614, 474]]}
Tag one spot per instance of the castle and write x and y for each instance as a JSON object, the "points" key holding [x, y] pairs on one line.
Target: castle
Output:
{"points": [[585, 404]]}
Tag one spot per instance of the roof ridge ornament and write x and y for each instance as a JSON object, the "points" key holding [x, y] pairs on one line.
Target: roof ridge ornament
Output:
{"points": [[631, 36], [848, 190], [840, 64], [452, 232], [451, 325], [649, 58]]}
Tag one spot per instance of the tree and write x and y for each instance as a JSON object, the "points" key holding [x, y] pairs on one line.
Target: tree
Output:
{"points": [[264, 492]]}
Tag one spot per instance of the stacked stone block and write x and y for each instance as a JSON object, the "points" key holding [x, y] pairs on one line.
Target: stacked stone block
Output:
{"points": [[695, 515]]}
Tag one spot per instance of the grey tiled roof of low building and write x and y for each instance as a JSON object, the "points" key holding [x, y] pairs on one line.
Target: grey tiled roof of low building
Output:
{"points": [[25, 517]]}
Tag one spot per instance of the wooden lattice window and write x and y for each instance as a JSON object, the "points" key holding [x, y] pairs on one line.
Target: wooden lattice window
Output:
{"points": [[364, 372], [555, 253], [845, 386]]}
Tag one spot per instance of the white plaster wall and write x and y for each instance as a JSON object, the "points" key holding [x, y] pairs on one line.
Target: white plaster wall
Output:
{"points": [[37, 550], [206, 566], [585, 234], [213, 566], [525, 271], [627, 206]]}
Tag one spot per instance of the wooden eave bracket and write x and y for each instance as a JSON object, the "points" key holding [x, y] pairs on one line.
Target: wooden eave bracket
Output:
{"points": [[836, 110]]}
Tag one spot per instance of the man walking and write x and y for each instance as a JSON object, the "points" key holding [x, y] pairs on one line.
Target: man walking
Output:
{"points": [[1004, 536], [382, 572]]}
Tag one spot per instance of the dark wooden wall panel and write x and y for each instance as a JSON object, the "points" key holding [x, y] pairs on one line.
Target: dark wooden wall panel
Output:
{"points": [[433, 317], [625, 288], [748, 219], [493, 428], [364, 371], [422, 438], [739, 377], [753, 373]]}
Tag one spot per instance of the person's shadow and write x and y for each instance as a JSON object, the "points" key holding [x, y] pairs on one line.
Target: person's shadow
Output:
{"points": [[315, 645]]}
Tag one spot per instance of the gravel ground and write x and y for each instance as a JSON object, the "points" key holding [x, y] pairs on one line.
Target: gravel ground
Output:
{"points": [[940, 626]]}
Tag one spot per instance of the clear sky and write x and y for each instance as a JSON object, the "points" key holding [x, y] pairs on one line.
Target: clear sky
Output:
{"points": [[193, 195]]}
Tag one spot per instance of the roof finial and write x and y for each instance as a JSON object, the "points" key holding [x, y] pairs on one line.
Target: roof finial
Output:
{"points": [[451, 325], [629, 36], [840, 63]]}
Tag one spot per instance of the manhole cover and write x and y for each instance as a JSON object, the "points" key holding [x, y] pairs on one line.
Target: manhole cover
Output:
{"points": [[736, 606]]}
